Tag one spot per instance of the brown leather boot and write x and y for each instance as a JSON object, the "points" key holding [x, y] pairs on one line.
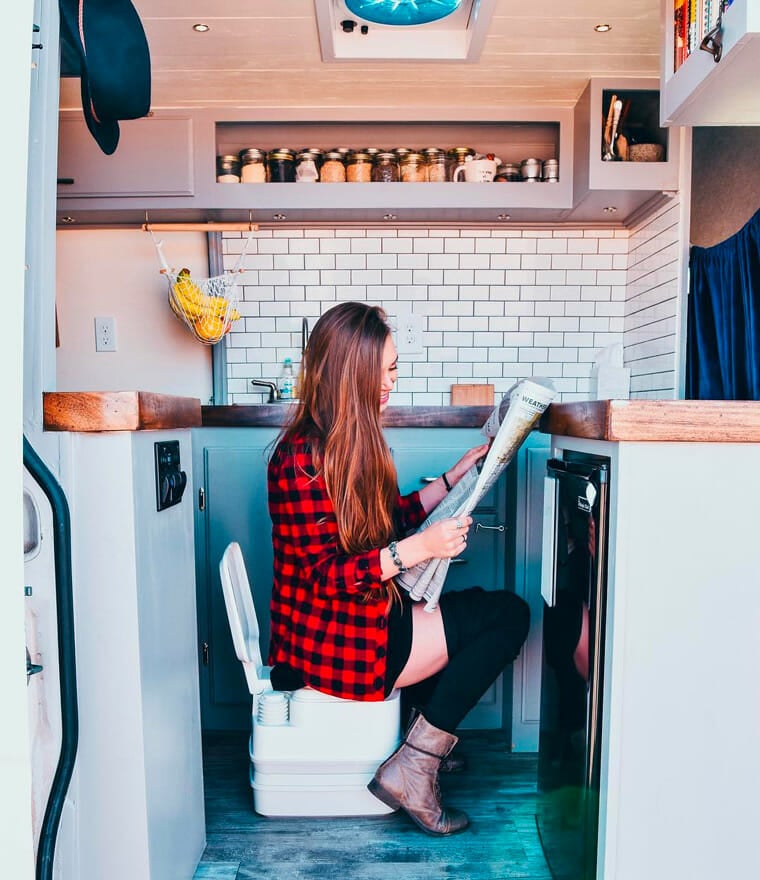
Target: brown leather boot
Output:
{"points": [[452, 763], [409, 779]]}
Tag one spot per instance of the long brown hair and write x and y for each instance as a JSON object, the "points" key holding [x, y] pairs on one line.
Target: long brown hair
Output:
{"points": [[339, 389]]}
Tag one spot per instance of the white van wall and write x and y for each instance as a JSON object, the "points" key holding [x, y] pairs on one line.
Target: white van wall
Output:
{"points": [[115, 273]]}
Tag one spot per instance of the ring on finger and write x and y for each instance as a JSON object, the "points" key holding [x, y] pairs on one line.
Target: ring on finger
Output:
{"points": [[464, 539]]}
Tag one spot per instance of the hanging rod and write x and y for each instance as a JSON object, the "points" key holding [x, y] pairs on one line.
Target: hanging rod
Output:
{"points": [[200, 227], [208, 226]]}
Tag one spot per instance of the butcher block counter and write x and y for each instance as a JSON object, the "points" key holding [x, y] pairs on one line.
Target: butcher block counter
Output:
{"points": [[118, 411], [709, 421]]}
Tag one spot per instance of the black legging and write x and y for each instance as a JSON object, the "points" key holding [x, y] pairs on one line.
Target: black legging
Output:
{"points": [[485, 631]]}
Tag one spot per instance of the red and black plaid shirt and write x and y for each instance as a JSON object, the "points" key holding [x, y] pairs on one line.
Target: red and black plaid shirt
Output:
{"points": [[322, 623]]}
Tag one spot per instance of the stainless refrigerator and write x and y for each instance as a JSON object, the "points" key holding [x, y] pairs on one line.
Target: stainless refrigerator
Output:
{"points": [[573, 586]]}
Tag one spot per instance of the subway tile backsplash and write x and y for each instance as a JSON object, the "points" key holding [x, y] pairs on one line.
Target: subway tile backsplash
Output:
{"points": [[495, 305]]}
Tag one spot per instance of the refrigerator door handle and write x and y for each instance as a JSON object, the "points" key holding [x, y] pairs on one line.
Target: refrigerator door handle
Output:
{"points": [[549, 542]]}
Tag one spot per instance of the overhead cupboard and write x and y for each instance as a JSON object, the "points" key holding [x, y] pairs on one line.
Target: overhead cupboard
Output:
{"points": [[184, 147]]}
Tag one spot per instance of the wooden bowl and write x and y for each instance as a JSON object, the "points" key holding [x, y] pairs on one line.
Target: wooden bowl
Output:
{"points": [[646, 152]]}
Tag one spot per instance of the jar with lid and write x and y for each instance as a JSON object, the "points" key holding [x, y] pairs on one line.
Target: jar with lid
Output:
{"points": [[306, 167], [385, 168], [228, 169], [253, 167], [413, 168], [333, 170], [436, 164], [359, 167], [455, 157], [282, 165], [373, 152]]}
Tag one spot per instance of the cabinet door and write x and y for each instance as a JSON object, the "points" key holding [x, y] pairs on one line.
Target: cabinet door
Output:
{"points": [[154, 158], [232, 466], [422, 454]]}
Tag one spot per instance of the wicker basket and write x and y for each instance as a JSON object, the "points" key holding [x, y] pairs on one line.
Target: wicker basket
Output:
{"points": [[646, 152]]}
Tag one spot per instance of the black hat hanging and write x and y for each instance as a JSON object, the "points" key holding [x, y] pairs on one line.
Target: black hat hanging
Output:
{"points": [[109, 39]]}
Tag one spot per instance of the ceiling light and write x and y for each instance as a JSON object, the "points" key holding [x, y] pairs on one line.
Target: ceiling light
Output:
{"points": [[610, 209], [602, 28], [503, 217], [68, 219], [201, 28], [403, 12], [279, 217], [389, 217]]}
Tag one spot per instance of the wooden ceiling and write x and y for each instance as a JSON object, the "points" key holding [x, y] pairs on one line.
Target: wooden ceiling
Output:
{"points": [[266, 55]]}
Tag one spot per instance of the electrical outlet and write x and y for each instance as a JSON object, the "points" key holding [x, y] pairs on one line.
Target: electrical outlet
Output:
{"points": [[409, 336], [105, 334]]}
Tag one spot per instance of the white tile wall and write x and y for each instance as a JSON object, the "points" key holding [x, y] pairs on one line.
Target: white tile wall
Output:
{"points": [[653, 304], [496, 305]]}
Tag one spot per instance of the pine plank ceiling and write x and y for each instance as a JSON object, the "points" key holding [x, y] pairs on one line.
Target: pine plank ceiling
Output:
{"points": [[266, 55]]}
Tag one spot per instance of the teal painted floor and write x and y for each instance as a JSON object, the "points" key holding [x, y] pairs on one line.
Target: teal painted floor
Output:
{"points": [[498, 791]]}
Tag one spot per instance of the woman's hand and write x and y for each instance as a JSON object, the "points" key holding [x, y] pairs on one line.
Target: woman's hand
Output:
{"points": [[471, 457], [446, 538]]}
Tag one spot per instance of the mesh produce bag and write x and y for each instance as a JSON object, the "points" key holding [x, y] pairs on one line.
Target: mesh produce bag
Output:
{"points": [[206, 306]]}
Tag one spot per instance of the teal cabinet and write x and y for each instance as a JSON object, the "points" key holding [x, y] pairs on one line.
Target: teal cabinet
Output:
{"points": [[231, 505]]}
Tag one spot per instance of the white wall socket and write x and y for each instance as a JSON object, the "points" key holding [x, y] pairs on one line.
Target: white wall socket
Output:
{"points": [[105, 334], [409, 335]]}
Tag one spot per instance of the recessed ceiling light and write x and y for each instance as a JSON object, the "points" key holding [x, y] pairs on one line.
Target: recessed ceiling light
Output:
{"points": [[503, 217], [610, 209], [201, 28], [389, 217], [602, 28], [279, 217], [68, 219]]}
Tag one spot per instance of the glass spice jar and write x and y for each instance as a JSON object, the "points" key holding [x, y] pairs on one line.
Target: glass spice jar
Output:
{"points": [[359, 167], [282, 165], [455, 157], [306, 167], [413, 168], [253, 167], [385, 168], [228, 169], [436, 164], [333, 170]]}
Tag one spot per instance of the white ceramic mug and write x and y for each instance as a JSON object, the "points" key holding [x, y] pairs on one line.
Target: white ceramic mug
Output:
{"points": [[477, 171]]}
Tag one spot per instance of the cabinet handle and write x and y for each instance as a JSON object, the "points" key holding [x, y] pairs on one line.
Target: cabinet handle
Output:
{"points": [[457, 560], [499, 528], [65, 181], [428, 479], [204, 653], [201, 499]]}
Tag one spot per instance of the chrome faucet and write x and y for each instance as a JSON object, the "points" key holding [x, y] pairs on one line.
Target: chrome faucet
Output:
{"points": [[274, 394]]}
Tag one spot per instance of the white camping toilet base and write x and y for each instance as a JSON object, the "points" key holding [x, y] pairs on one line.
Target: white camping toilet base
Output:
{"points": [[311, 754], [314, 754]]}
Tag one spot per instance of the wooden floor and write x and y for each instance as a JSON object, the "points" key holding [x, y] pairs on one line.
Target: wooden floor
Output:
{"points": [[497, 791]]}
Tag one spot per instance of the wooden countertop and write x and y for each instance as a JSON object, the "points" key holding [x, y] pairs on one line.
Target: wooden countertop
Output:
{"points": [[711, 421], [118, 411], [273, 415]]}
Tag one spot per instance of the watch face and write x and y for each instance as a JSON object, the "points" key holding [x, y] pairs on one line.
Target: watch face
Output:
{"points": [[403, 12]]}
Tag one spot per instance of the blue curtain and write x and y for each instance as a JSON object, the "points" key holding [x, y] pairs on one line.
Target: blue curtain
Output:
{"points": [[723, 335]]}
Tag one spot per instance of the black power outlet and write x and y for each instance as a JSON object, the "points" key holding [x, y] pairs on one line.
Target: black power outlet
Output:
{"points": [[170, 479]]}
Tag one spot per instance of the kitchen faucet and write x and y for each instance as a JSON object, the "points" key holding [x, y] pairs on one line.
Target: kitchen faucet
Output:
{"points": [[274, 394]]}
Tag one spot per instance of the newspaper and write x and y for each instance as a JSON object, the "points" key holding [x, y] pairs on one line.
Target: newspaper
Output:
{"points": [[509, 424]]}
